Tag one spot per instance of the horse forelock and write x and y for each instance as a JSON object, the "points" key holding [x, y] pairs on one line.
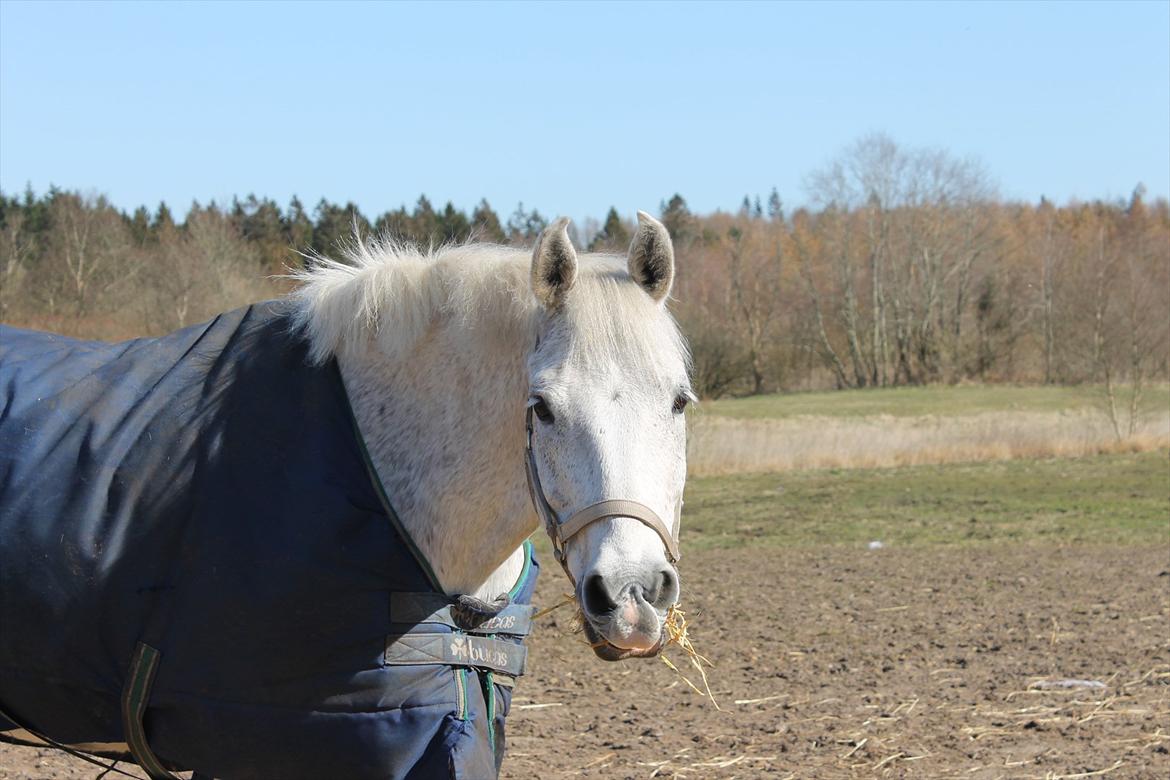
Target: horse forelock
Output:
{"points": [[611, 319]]}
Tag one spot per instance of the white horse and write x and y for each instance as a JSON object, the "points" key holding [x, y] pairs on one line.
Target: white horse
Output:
{"points": [[177, 485], [442, 353]]}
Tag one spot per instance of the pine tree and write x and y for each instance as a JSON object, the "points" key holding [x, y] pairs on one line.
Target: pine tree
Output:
{"points": [[163, 223], [139, 225], [1137, 206], [394, 225], [335, 226], [297, 227], [677, 218], [259, 222], [525, 226], [614, 235], [775, 207], [36, 212], [7, 206], [453, 224], [424, 223], [486, 224]]}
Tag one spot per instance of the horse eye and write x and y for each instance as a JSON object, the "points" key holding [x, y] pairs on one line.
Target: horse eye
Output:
{"points": [[680, 403], [543, 413]]}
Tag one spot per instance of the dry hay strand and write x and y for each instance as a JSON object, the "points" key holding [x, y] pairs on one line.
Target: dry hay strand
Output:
{"points": [[1095, 773], [675, 627], [723, 762], [566, 598], [674, 766], [1159, 672]]}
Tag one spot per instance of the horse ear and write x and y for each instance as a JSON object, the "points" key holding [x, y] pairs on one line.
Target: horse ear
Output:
{"points": [[554, 264], [651, 260]]}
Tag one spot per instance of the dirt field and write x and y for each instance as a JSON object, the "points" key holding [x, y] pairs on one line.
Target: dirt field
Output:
{"points": [[845, 662], [836, 662]]}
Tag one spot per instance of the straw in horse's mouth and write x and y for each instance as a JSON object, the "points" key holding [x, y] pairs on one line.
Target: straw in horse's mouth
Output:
{"points": [[607, 651]]}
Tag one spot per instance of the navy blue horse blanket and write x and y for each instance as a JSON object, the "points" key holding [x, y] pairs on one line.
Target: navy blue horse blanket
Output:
{"points": [[199, 567]]}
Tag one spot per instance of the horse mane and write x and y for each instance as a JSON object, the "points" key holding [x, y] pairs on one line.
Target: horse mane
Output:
{"points": [[394, 291]]}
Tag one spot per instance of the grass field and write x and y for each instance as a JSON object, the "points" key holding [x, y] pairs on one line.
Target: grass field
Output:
{"points": [[922, 401], [914, 426], [1107, 498]]}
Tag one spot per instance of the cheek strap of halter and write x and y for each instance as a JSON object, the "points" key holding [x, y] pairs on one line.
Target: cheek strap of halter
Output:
{"points": [[560, 533]]}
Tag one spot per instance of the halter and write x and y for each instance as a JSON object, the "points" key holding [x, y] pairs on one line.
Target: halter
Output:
{"points": [[560, 533]]}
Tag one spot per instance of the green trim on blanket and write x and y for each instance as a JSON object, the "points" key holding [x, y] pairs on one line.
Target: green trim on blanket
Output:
{"points": [[489, 694], [134, 702], [524, 572], [461, 692]]}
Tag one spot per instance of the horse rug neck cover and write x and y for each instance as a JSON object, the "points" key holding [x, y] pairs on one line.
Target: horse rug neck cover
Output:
{"points": [[199, 567]]}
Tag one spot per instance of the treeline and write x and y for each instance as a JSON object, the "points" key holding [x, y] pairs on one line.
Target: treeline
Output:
{"points": [[906, 268], [910, 270], [76, 264]]}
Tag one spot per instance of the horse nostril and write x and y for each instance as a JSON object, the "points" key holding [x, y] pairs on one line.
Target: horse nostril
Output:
{"points": [[596, 596], [665, 590]]}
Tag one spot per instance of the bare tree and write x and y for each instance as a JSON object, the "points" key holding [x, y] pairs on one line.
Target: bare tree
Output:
{"points": [[17, 247], [756, 262], [200, 270], [87, 241], [910, 227]]}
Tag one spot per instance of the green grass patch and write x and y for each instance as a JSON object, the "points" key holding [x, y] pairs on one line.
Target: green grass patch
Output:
{"points": [[1123, 499], [919, 401]]}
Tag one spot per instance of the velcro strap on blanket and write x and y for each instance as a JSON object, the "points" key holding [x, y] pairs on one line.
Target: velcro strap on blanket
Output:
{"points": [[456, 650], [514, 619]]}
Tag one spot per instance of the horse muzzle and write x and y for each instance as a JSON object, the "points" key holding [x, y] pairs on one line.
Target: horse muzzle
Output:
{"points": [[610, 652], [625, 619]]}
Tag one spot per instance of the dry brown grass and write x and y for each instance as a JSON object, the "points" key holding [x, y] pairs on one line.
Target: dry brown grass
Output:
{"points": [[721, 445], [675, 627]]}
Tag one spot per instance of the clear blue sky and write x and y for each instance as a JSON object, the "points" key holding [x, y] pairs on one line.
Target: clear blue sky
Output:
{"points": [[571, 107]]}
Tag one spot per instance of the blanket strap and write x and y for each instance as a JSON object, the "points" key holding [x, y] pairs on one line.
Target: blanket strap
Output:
{"points": [[135, 698], [513, 619], [456, 649]]}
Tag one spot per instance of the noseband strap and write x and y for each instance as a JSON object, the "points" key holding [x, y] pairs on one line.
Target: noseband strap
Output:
{"points": [[561, 533], [618, 507]]}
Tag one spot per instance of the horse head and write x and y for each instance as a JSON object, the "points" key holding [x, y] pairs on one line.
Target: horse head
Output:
{"points": [[607, 386], [439, 351]]}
